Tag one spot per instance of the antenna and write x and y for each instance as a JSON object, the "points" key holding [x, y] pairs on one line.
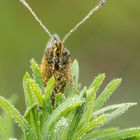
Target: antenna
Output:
{"points": [[92, 11], [35, 16]]}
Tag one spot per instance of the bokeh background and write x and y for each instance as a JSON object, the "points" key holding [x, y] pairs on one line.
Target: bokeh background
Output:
{"points": [[108, 42]]}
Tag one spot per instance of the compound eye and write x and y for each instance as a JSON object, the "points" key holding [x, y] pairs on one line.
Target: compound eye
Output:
{"points": [[66, 53]]}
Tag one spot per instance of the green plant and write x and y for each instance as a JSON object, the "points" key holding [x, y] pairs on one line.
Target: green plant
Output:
{"points": [[73, 116], [6, 123]]}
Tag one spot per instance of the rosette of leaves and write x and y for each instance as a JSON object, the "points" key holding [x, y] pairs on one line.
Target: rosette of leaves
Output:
{"points": [[73, 116]]}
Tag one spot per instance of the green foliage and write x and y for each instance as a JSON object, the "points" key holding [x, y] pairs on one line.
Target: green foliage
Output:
{"points": [[72, 117], [6, 122]]}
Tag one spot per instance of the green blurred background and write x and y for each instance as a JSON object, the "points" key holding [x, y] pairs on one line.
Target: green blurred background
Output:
{"points": [[108, 42]]}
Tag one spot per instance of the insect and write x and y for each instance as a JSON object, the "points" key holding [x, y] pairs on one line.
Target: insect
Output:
{"points": [[56, 60]]}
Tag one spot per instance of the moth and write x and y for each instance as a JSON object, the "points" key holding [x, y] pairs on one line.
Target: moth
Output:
{"points": [[56, 60]]}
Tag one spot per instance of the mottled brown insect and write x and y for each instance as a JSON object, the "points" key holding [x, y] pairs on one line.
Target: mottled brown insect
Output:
{"points": [[56, 62]]}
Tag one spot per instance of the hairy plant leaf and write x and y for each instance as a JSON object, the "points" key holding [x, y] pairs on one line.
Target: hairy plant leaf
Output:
{"points": [[36, 74], [88, 109], [98, 81], [60, 128], [19, 119], [68, 105], [111, 87], [91, 94], [90, 126], [119, 111], [29, 110], [3, 130], [120, 134], [29, 100], [109, 108], [97, 133], [75, 121], [36, 92], [49, 88], [8, 123], [89, 104], [59, 99]]}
